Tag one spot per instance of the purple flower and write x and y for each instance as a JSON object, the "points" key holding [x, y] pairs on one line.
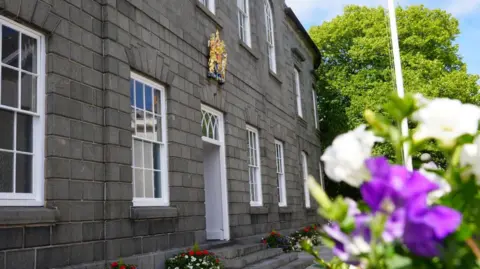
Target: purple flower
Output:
{"points": [[344, 248], [402, 195], [426, 229], [392, 184]]}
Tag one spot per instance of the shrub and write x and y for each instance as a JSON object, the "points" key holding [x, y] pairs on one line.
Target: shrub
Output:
{"points": [[194, 259], [276, 240], [121, 265]]}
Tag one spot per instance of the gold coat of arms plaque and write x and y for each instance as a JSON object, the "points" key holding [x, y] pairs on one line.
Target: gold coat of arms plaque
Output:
{"points": [[217, 62]]}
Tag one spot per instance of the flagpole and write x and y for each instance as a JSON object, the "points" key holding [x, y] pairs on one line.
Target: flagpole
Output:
{"points": [[407, 160]]}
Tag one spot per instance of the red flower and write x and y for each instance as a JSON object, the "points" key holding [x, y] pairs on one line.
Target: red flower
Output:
{"points": [[307, 229], [123, 267], [183, 254], [114, 264], [198, 253], [264, 241], [273, 233], [205, 252], [191, 253], [217, 261]]}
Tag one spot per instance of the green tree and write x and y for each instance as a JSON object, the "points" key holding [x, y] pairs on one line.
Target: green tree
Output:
{"points": [[357, 65]]}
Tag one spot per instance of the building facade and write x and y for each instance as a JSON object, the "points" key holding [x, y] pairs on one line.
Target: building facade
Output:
{"points": [[115, 143]]}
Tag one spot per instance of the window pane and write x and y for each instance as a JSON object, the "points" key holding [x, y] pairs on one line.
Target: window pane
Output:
{"points": [[29, 92], [156, 157], [9, 87], [23, 180], [158, 128], [6, 171], [10, 40], [139, 95], [149, 184], [140, 123], [148, 98], [157, 102], [148, 155], [6, 135], [138, 181], [137, 153], [29, 54], [24, 132], [158, 184], [149, 126]]}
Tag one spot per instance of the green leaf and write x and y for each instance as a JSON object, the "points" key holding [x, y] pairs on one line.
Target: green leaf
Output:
{"points": [[400, 262]]}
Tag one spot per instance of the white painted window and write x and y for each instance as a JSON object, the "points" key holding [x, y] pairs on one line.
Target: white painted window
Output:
{"points": [[270, 36], [150, 160], [282, 190], [299, 92], [315, 111], [305, 177], [244, 21], [210, 4], [254, 173], [22, 114]]}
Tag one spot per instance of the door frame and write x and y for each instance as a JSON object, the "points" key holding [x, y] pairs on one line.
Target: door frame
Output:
{"points": [[223, 167]]}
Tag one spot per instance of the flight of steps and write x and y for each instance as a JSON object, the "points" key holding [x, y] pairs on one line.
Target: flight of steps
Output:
{"points": [[258, 256]]}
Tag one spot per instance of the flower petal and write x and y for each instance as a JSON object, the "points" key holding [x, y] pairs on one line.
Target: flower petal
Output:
{"points": [[373, 193], [443, 220], [378, 167]]}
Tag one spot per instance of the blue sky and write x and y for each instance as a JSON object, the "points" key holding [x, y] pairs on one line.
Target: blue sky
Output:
{"points": [[314, 12]]}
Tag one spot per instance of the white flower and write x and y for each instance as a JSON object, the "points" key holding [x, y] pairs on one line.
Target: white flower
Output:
{"points": [[345, 158], [421, 101], [470, 157], [445, 120], [443, 185]]}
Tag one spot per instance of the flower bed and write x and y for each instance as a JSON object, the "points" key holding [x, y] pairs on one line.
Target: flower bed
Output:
{"points": [[194, 259], [293, 242], [121, 265]]}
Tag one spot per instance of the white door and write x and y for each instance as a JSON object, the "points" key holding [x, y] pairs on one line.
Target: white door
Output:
{"points": [[214, 169]]}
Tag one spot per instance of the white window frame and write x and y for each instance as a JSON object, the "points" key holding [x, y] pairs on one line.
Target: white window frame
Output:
{"points": [[244, 16], [280, 162], [36, 198], [210, 4], [315, 111], [270, 32], [165, 199], [298, 91], [305, 178], [322, 183], [256, 164]]}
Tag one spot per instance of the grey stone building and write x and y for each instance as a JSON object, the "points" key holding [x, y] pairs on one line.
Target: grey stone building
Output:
{"points": [[115, 143]]}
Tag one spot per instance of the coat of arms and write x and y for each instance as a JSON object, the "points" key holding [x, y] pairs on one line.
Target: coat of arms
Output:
{"points": [[217, 63]]}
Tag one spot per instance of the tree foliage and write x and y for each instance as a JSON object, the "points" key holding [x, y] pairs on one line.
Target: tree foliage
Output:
{"points": [[357, 64]]}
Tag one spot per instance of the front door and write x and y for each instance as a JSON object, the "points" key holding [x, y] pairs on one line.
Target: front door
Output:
{"points": [[214, 174]]}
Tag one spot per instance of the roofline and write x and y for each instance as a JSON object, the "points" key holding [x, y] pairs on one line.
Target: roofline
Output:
{"points": [[293, 17]]}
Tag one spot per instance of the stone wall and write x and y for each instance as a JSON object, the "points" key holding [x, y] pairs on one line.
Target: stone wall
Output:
{"points": [[92, 46]]}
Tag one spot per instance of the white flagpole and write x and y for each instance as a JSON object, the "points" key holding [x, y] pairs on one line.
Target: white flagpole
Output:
{"points": [[398, 76]]}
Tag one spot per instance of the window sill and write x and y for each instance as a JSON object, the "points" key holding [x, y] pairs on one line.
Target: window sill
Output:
{"points": [[275, 76], [301, 121], [248, 49], [28, 215], [285, 210], [259, 210], [153, 212], [210, 14]]}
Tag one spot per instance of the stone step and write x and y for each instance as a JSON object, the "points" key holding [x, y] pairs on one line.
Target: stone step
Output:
{"points": [[275, 262], [235, 251], [252, 258], [300, 263]]}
